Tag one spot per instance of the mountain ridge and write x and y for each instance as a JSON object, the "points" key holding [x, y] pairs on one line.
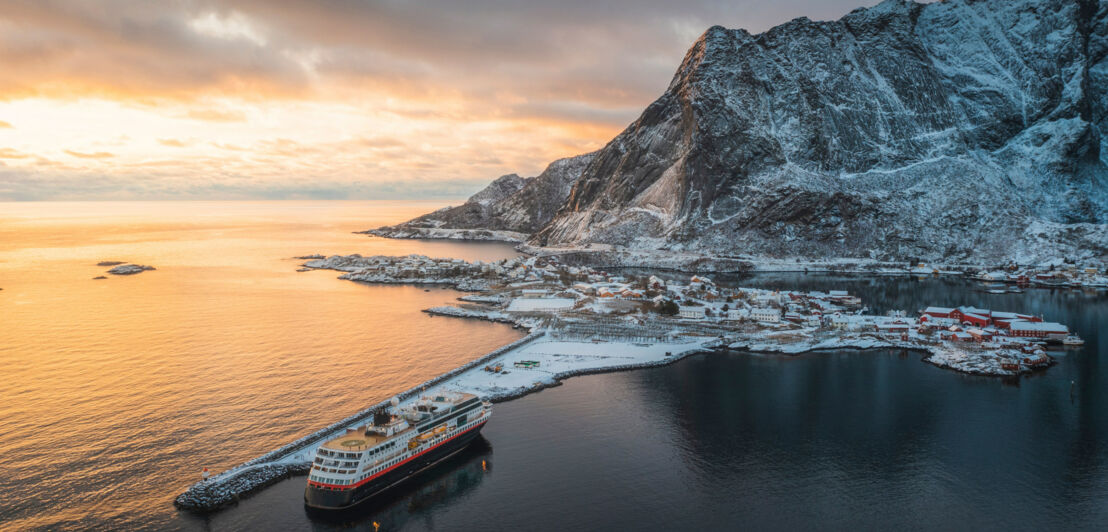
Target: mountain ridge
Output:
{"points": [[966, 130]]}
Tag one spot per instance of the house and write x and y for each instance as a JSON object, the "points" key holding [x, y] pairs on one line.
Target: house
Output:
{"points": [[584, 288], [770, 315], [894, 327], [692, 313], [969, 318], [734, 315], [979, 335], [960, 337], [938, 312], [1042, 329]]}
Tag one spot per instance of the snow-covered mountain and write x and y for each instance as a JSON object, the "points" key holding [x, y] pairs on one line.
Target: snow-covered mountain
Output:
{"points": [[963, 130]]}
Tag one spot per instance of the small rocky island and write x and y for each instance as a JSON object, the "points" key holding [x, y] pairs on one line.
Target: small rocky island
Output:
{"points": [[130, 269]]}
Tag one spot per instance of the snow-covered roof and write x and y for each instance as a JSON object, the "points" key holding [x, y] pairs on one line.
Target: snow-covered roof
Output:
{"points": [[937, 310], [1039, 326], [973, 310]]}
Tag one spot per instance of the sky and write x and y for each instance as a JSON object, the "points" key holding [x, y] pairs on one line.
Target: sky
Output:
{"points": [[331, 99]]}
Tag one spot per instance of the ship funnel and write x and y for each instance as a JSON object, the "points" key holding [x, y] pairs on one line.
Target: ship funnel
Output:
{"points": [[381, 417]]}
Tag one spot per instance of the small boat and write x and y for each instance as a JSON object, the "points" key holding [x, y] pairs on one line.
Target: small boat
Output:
{"points": [[1073, 339], [996, 291]]}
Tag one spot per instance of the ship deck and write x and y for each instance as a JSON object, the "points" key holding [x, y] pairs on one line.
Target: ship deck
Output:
{"points": [[353, 440]]}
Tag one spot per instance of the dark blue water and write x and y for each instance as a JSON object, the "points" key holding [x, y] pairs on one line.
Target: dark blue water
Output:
{"points": [[841, 440]]}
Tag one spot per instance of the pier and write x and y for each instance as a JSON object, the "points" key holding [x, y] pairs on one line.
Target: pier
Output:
{"points": [[558, 360]]}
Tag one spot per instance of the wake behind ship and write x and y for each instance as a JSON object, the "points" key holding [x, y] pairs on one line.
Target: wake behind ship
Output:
{"points": [[368, 460]]}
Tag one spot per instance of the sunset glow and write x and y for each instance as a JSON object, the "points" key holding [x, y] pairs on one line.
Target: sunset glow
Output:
{"points": [[225, 100]]}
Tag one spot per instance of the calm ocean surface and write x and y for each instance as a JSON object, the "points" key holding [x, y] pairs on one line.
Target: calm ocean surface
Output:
{"points": [[117, 392]]}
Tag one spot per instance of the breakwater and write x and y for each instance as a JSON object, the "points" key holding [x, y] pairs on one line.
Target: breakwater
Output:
{"points": [[229, 486]]}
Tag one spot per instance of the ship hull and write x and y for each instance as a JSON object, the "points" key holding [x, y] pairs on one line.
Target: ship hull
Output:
{"points": [[326, 499]]}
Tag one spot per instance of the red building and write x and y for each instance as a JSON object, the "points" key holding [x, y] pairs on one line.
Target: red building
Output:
{"points": [[1040, 329]]}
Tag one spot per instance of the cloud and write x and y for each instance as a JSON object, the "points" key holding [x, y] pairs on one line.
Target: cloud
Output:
{"points": [[216, 115], [8, 153], [5, 125], [174, 143], [335, 98], [90, 155]]}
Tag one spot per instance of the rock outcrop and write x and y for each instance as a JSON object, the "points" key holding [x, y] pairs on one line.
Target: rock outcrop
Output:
{"points": [[510, 208]]}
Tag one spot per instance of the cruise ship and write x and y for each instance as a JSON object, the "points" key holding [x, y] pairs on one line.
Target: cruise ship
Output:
{"points": [[398, 444]]}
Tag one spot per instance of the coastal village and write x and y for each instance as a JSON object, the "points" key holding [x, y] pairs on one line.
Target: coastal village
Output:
{"points": [[585, 320], [540, 293]]}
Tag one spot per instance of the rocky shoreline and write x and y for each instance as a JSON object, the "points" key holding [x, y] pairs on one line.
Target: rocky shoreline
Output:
{"points": [[435, 233]]}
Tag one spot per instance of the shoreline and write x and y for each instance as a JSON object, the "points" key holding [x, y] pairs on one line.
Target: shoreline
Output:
{"points": [[609, 256]]}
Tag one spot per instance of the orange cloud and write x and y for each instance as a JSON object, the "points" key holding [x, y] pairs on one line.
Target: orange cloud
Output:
{"points": [[93, 155], [8, 153], [293, 96], [216, 115], [5, 125]]}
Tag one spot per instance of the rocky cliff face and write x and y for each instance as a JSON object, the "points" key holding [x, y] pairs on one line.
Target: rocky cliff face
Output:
{"points": [[510, 208], [963, 130]]}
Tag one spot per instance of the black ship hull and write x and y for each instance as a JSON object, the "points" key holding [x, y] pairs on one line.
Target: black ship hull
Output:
{"points": [[324, 498]]}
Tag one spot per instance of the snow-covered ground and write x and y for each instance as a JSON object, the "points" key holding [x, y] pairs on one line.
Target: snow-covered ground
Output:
{"points": [[544, 304], [607, 256], [559, 359]]}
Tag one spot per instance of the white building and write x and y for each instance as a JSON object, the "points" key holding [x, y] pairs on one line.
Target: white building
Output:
{"points": [[692, 313], [770, 315], [549, 304]]}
